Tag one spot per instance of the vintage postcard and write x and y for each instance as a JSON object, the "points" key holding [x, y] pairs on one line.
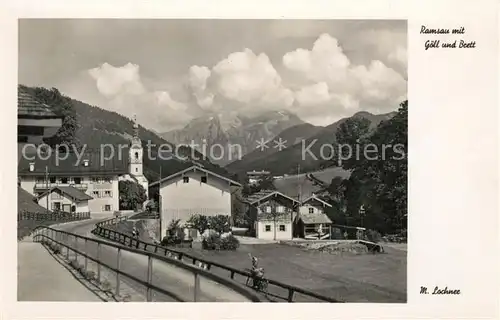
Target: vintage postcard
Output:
{"points": [[267, 153]]}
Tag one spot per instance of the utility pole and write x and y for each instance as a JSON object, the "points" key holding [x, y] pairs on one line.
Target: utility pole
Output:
{"points": [[160, 205], [299, 196], [47, 185]]}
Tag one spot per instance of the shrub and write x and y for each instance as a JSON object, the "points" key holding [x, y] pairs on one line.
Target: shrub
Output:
{"points": [[229, 242], [212, 241], [175, 234], [198, 222], [220, 223], [106, 286]]}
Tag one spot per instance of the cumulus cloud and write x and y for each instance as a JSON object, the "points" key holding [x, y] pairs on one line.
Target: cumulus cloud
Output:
{"points": [[249, 78], [333, 84], [197, 81], [112, 80], [400, 55], [127, 95], [242, 80], [323, 85]]}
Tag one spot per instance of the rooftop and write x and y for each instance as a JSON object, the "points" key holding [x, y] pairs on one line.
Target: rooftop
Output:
{"points": [[195, 168], [73, 164], [264, 194], [69, 191], [29, 107], [26, 202], [315, 218]]}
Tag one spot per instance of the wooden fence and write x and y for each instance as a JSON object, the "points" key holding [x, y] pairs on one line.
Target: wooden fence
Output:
{"points": [[147, 247]]}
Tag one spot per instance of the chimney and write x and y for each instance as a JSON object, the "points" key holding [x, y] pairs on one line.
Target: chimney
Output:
{"points": [[85, 163], [32, 166]]}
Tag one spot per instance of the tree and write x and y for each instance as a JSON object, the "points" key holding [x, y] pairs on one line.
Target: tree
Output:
{"points": [[131, 195], [348, 136], [63, 106], [379, 184]]}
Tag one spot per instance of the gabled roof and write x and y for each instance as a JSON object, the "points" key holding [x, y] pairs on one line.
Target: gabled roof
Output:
{"points": [[265, 194], [69, 191], [26, 202], [29, 107], [195, 168], [316, 198], [73, 165], [315, 218]]}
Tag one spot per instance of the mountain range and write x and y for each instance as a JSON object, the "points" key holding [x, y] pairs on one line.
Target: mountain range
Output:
{"points": [[288, 160], [228, 137]]}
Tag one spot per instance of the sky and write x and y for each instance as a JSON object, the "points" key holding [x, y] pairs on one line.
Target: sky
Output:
{"points": [[168, 72]]}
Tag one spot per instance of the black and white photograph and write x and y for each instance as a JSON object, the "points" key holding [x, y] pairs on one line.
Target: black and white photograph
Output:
{"points": [[212, 160]]}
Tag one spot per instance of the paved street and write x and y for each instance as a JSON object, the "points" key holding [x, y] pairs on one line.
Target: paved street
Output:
{"points": [[43, 278], [174, 279]]}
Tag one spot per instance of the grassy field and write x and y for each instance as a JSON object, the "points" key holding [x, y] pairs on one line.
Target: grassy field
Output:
{"points": [[352, 278], [348, 277]]}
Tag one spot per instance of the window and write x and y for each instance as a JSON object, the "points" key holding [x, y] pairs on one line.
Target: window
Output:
{"points": [[107, 193], [107, 207], [268, 209], [52, 179], [185, 179], [268, 227], [282, 227], [95, 194], [64, 180], [204, 179], [22, 139], [78, 180], [29, 130], [311, 210], [137, 155], [56, 206], [280, 209], [136, 169], [73, 208]]}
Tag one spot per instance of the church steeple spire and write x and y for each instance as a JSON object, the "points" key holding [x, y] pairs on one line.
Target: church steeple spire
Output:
{"points": [[136, 127]]}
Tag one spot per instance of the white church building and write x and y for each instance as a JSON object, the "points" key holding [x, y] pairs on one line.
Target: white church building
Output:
{"points": [[90, 173]]}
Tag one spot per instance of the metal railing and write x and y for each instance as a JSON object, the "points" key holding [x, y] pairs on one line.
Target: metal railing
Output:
{"points": [[80, 246], [146, 247]]}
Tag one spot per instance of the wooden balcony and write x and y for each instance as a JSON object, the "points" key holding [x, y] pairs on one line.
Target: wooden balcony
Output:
{"points": [[45, 186]]}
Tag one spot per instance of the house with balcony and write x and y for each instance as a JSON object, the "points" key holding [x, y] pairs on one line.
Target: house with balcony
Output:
{"points": [[312, 222], [66, 199], [272, 214]]}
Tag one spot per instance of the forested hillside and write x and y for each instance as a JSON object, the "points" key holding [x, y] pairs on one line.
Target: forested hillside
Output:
{"points": [[92, 127], [378, 182], [288, 160]]}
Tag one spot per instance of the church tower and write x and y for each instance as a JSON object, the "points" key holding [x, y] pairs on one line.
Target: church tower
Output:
{"points": [[136, 153]]}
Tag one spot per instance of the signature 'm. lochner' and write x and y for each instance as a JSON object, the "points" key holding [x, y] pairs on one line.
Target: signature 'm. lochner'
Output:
{"points": [[437, 290]]}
